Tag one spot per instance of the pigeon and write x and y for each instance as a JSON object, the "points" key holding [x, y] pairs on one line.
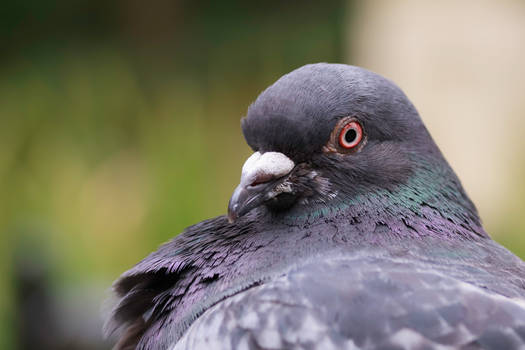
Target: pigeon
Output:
{"points": [[348, 230]]}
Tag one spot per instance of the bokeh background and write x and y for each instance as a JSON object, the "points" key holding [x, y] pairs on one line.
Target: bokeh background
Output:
{"points": [[119, 126]]}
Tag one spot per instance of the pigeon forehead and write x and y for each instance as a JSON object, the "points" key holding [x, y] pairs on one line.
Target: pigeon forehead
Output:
{"points": [[296, 114]]}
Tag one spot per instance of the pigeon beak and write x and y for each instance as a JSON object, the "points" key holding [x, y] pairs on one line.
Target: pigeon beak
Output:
{"points": [[259, 173]]}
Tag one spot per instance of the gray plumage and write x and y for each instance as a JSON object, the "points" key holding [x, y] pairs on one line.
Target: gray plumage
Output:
{"points": [[375, 248]]}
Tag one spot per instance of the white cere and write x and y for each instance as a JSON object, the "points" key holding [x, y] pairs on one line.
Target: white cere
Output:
{"points": [[263, 167]]}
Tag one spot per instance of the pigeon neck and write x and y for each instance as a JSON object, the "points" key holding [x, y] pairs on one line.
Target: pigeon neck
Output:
{"points": [[431, 202]]}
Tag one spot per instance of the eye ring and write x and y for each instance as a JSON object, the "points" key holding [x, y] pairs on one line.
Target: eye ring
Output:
{"points": [[351, 144], [350, 135]]}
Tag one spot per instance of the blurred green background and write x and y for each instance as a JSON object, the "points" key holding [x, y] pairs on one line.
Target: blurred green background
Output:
{"points": [[120, 127]]}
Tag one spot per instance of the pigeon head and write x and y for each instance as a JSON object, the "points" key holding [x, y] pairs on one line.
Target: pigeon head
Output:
{"points": [[328, 134]]}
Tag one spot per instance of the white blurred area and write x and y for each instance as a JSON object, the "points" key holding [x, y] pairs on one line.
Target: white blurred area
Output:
{"points": [[462, 64]]}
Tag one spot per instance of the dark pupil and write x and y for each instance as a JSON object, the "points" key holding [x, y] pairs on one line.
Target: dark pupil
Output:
{"points": [[350, 136]]}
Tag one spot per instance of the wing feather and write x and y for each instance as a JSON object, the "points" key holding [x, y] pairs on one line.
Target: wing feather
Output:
{"points": [[361, 304]]}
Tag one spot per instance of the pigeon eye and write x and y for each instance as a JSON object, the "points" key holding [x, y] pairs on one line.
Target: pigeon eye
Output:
{"points": [[351, 134], [348, 136]]}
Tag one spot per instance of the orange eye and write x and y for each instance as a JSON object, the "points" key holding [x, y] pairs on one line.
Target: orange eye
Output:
{"points": [[351, 134]]}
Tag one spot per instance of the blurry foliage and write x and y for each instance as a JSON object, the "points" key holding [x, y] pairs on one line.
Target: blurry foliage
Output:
{"points": [[120, 123], [512, 228]]}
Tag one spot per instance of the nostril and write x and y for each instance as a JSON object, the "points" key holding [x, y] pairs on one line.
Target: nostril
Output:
{"points": [[257, 182], [260, 179]]}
